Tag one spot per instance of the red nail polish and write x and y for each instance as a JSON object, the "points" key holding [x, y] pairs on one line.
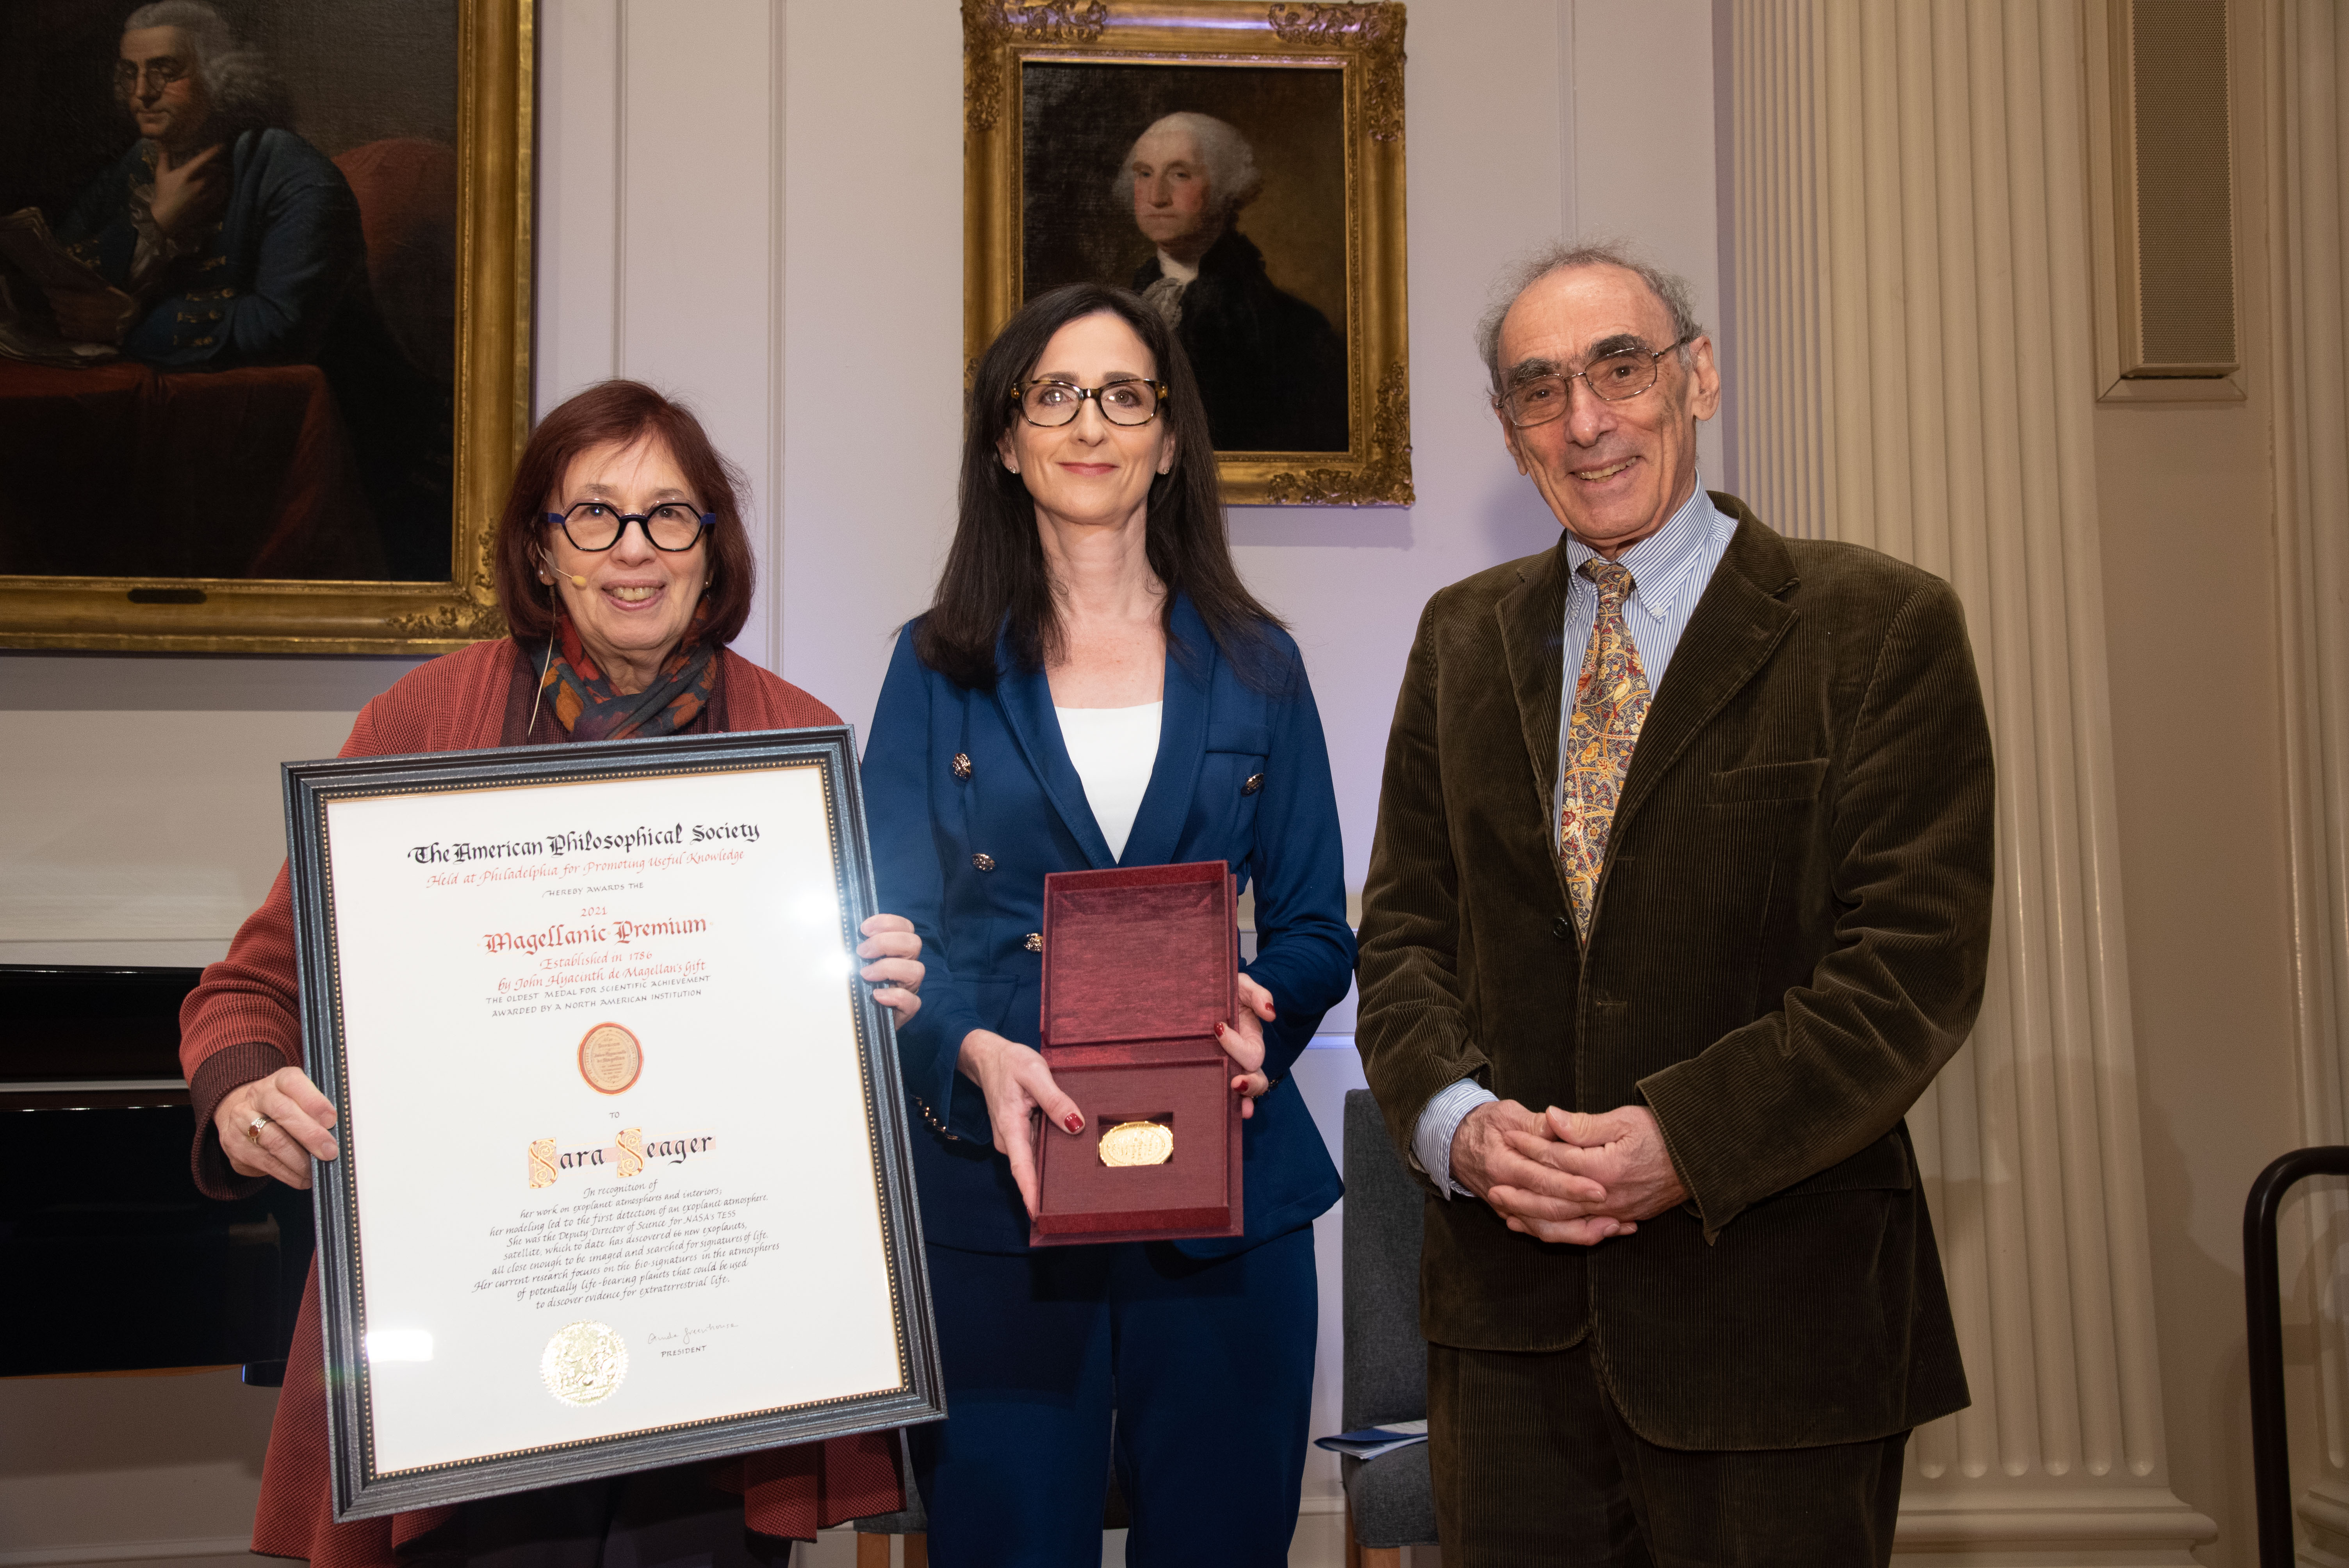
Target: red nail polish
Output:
{"points": [[1075, 1123]]}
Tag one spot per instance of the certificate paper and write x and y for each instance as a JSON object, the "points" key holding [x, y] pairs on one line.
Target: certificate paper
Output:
{"points": [[623, 1180]]}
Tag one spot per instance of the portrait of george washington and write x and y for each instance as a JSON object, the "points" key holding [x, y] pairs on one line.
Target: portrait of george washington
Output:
{"points": [[1218, 195]]}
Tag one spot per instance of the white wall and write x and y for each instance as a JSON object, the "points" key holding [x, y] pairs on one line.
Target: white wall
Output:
{"points": [[660, 214], [142, 795], [758, 205], [1503, 99], [679, 243], [1510, 146]]}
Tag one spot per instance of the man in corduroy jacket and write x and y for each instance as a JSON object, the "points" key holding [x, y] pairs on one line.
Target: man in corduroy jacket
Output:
{"points": [[1679, 897]]}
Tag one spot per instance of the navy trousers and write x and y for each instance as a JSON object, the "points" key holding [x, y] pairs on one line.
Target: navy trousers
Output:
{"points": [[1208, 1366]]}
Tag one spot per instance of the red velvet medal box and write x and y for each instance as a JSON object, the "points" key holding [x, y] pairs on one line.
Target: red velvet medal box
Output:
{"points": [[1140, 966]]}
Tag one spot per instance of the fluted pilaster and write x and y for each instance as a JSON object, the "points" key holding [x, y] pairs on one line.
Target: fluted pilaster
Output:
{"points": [[1912, 277], [2308, 160]]}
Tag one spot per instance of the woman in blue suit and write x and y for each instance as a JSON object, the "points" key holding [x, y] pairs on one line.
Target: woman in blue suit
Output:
{"points": [[1093, 688]]}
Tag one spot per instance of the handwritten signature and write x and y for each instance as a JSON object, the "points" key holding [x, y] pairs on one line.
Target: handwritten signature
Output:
{"points": [[686, 1335]]}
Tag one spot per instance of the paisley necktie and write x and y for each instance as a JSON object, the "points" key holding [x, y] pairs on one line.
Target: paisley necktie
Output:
{"points": [[1610, 703]]}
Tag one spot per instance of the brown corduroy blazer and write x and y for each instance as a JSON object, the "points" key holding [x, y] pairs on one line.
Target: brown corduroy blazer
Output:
{"points": [[1789, 939]]}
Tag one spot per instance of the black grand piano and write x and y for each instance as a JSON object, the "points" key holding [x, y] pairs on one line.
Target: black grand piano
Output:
{"points": [[112, 1260]]}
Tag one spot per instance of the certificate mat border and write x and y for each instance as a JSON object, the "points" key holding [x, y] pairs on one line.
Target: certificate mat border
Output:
{"points": [[361, 1490]]}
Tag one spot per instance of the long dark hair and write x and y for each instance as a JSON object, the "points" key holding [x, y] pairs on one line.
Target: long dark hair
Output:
{"points": [[996, 577]]}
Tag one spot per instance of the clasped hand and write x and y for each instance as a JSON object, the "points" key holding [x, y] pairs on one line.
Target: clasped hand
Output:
{"points": [[1017, 1085], [1563, 1175]]}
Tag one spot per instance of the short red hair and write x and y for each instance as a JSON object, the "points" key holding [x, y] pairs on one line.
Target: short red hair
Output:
{"points": [[620, 413]]}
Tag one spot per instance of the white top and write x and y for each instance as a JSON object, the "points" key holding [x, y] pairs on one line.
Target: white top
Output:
{"points": [[1115, 749]]}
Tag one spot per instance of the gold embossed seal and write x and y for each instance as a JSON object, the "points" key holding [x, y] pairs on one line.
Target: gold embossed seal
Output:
{"points": [[610, 1058], [583, 1363], [1137, 1143]]}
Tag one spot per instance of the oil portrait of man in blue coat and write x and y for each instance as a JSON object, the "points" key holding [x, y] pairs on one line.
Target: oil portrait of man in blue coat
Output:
{"points": [[228, 353]]}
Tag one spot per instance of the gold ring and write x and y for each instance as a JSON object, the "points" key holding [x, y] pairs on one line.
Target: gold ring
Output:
{"points": [[253, 1131]]}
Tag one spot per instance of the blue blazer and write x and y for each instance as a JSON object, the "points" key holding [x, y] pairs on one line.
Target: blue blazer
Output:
{"points": [[1022, 807], [265, 286]]}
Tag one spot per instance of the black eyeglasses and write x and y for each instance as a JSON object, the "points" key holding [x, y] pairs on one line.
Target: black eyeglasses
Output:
{"points": [[1051, 404], [594, 525], [1612, 377]]}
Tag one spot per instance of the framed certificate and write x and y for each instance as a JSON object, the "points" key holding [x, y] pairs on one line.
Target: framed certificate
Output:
{"points": [[624, 1178]]}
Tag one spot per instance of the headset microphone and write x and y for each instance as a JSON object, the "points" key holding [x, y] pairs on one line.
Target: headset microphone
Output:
{"points": [[572, 577], [540, 696]]}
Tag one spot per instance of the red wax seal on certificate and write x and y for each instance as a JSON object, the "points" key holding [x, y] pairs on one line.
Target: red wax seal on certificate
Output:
{"points": [[610, 1058]]}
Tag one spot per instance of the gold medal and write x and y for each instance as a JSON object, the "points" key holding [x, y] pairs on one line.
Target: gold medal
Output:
{"points": [[583, 1363], [610, 1058], [1137, 1143]]}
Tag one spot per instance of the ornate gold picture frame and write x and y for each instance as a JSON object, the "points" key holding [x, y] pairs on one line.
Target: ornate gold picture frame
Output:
{"points": [[468, 454], [1289, 120]]}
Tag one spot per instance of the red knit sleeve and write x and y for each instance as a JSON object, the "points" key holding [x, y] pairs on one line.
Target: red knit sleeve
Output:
{"points": [[243, 1020], [241, 1023], [756, 699]]}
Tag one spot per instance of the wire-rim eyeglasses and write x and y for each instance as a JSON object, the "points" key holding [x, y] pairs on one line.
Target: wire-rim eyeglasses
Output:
{"points": [[1612, 377]]}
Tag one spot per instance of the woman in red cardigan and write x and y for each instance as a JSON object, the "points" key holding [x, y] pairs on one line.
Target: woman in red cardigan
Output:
{"points": [[624, 570]]}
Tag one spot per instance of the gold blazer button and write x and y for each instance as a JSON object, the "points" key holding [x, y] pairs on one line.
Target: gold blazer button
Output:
{"points": [[961, 765], [1035, 942], [1255, 782], [985, 862]]}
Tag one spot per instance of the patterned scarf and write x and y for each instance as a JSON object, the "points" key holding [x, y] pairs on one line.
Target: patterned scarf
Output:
{"points": [[591, 710]]}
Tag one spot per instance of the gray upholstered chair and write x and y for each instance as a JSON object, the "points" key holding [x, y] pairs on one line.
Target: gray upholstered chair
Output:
{"points": [[1390, 1500]]}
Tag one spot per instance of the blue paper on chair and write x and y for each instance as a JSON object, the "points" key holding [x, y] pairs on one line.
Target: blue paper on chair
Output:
{"points": [[1369, 1442]]}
